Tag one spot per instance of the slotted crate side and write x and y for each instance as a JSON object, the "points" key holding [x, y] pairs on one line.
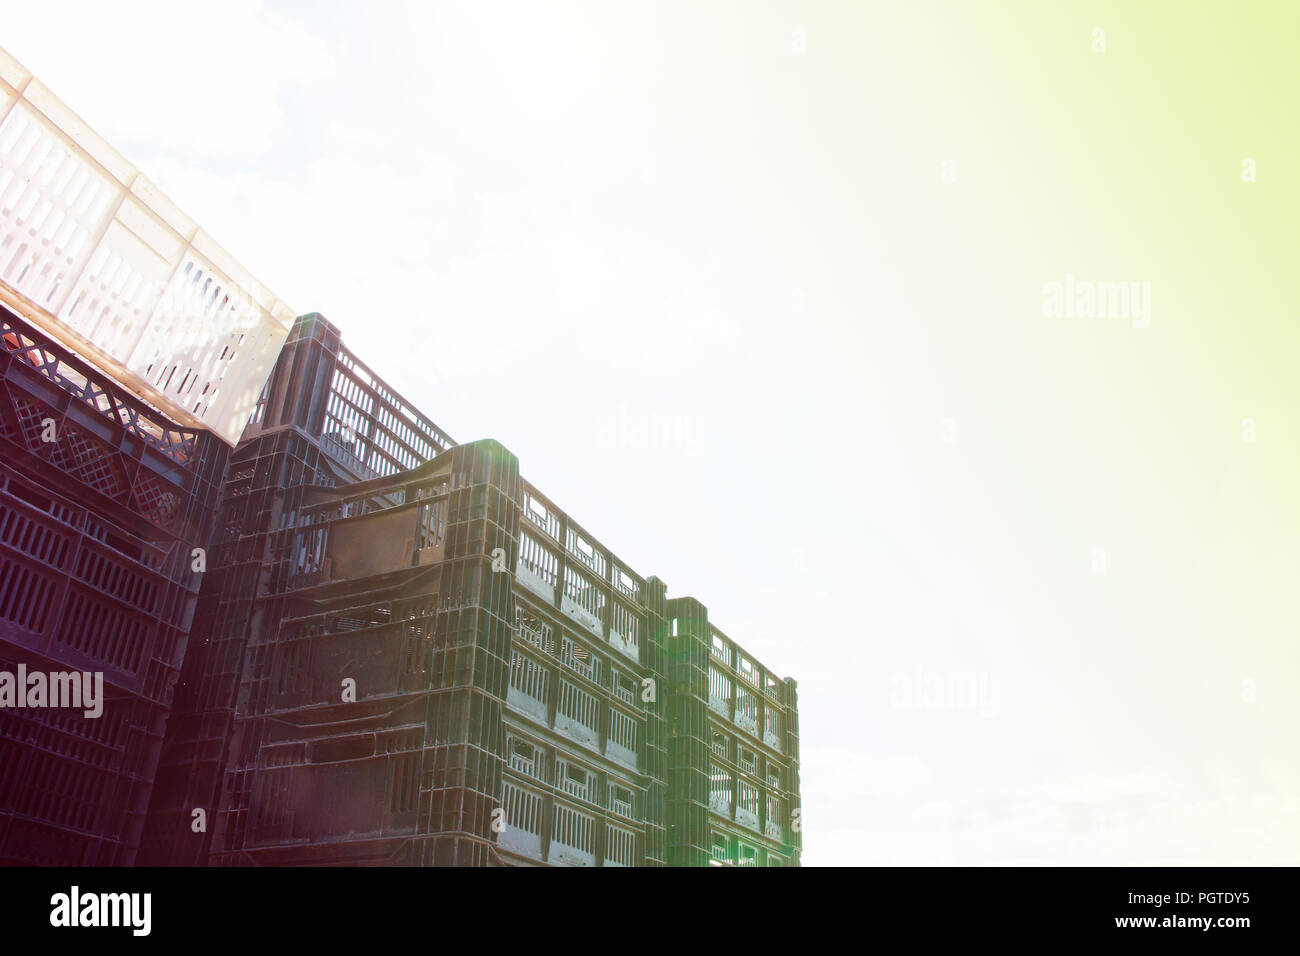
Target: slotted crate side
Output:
{"points": [[269, 475], [454, 689], [68, 596], [323, 389], [556, 665], [96, 534], [77, 426], [559, 784], [126, 569], [200, 739], [733, 786], [98, 257], [75, 791], [284, 452], [199, 732]]}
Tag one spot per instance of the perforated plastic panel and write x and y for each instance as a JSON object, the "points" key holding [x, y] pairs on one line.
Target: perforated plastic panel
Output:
{"points": [[93, 253]]}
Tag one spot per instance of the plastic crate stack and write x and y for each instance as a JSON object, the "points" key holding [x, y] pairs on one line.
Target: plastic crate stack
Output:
{"points": [[336, 561], [323, 421], [102, 503], [405, 653], [585, 738]]}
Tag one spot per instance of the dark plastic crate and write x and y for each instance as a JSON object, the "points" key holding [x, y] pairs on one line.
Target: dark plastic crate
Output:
{"points": [[356, 540], [97, 530]]}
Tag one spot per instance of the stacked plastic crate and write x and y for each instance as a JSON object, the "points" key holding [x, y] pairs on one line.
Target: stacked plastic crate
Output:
{"points": [[322, 421], [733, 767], [584, 776], [133, 348], [376, 676], [98, 530], [753, 738], [389, 648], [406, 653]]}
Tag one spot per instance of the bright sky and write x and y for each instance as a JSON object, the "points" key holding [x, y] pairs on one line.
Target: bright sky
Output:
{"points": [[557, 225]]}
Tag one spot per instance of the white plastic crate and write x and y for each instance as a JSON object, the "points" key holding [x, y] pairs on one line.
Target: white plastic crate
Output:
{"points": [[94, 254]]}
